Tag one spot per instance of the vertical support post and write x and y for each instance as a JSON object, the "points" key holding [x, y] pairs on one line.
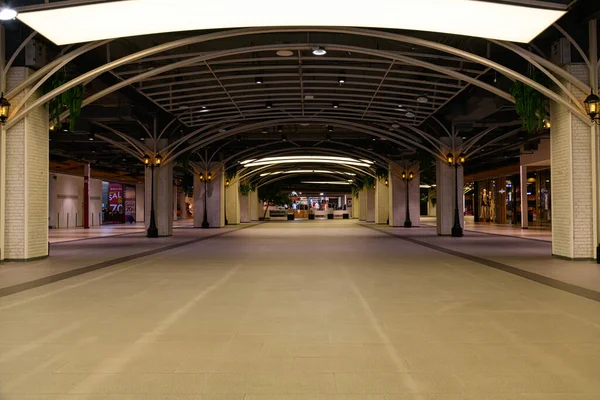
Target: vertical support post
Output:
{"points": [[86, 196], [456, 228], [524, 213], [593, 57]]}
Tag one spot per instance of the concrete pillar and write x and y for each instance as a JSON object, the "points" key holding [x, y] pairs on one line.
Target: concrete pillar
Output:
{"points": [[52, 201], [397, 195], [182, 204], [232, 202], [446, 195], [370, 196], [382, 202], [524, 213], [356, 206], [139, 203], [163, 196], [24, 180], [574, 155], [86, 196], [362, 203], [215, 205], [245, 208], [254, 206], [175, 202]]}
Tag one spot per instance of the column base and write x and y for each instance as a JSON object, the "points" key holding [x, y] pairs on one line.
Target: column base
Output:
{"points": [[457, 231], [407, 224], [152, 232]]}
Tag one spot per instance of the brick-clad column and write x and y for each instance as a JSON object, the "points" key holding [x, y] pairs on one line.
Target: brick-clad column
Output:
{"points": [[254, 206], [232, 198], [397, 196], [356, 206], [523, 189], [25, 180], [370, 200], [362, 203], [86, 196], [215, 201], [381, 202], [571, 146], [163, 196], [446, 197]]}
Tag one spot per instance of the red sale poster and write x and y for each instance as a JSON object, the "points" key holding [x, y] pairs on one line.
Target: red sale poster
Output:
{"points": [[115, 198]]}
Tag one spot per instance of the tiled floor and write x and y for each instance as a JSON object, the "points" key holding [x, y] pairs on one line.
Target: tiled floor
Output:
{"points": [[314, 310]]}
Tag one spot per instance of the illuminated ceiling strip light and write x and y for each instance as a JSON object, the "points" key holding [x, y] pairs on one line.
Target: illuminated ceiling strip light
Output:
{"points": [[303, 157], [116, 19], [367, 161], [326, 183], [299, 171], [260, 163]]}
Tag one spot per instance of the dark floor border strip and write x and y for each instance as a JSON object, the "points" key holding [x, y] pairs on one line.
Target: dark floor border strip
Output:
{"points": [[495, 234], [544, 280], [21, 287]]}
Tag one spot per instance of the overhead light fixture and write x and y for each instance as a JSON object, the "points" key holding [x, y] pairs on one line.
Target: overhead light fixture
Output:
{"points": [[592, 107], [341, 80], [366, 161], [203, 109], [264, 131], [258, 80], [269, 104], [410, 114], [7, 13], [283, 138], [336, 104], [285, 53], [91, 137], [319, 51], [329, 128], [279, 129], [326, 182], [87, 23], [422, 99]]}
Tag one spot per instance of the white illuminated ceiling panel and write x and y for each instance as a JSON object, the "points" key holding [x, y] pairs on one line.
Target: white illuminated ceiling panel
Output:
{"points": [[140, 17]]}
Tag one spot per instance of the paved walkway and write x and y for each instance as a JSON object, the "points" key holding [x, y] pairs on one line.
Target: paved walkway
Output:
{"points": [[318, 310], [543, 234]]}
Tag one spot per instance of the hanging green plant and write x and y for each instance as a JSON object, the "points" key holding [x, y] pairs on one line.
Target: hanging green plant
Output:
{"points": [[71, 100], [230, 174], [356, 190], [245, 190], [530, 104], [368, 182], [382, 173]]}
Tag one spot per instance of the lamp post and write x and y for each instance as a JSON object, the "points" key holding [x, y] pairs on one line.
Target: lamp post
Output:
{"points": [[225, 198], [456, 162], [407, 178], [152, 229], [205, 179]]}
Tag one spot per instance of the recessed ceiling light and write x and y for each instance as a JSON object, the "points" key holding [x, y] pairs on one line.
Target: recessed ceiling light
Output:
{"points": [[341, 79], [7, 13], [319, 51], [336, 104], [279, 129], [395, 126], [258, 80], [464, 138], [422, 99], [203, 110], [309, 97], [264, 131], [269, 104], [410, 114], [285, 53], [330, 128]]}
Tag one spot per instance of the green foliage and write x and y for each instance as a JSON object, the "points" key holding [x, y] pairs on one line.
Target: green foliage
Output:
{"points": [[529, 103], [273, 196], [245, 189], [382, 173], [70, 100], [356, 190], [231, 172], [368, 182]]}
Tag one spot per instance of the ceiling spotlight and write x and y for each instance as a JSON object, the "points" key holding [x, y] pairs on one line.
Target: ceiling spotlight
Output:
{"points": [[269, 104], [204, 109], [264, 131], [258, 80], [91, 137], [422, 99], [329, 128], [283, 138], [410, 114], [7, 13], [319, 51], [285, 53], [279, 129], [341, 80], [395, 126], [336, 104]]}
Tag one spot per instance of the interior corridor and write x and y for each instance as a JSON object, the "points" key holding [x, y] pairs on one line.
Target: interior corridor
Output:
{"points": [[312, 310]]}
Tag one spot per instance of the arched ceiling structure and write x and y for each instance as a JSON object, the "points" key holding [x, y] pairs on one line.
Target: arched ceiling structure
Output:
{"points": [[391, 95]]}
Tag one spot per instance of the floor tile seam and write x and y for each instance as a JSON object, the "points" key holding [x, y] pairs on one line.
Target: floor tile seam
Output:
{"points": [[541, 279], [95, 237], [21, 287], [508, 236]]}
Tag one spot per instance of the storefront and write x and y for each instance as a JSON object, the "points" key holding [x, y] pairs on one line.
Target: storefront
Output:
{"points": [[498, 200]]}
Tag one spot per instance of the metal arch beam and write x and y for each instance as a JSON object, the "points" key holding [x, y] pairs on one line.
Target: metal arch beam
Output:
{"points": [[120, 146], [138, 146], [288, 176], [212, 136], [351, 31], [311, 166]]}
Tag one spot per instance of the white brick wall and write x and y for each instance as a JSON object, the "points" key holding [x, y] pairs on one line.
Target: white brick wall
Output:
{"points": [[140, 197], [26, 180], [370, 200], [445, 177], [362, 203], [163, 198], [381, 202], [232, 198], [571, 177], [67, 198]]}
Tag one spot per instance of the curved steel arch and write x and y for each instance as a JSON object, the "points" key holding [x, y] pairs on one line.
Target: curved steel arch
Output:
{"points": [[288, 176], [307, 166], [350, 31], [213, 136]]}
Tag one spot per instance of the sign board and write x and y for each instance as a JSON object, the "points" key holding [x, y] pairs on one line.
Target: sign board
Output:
{"points": [[115, 198]]}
